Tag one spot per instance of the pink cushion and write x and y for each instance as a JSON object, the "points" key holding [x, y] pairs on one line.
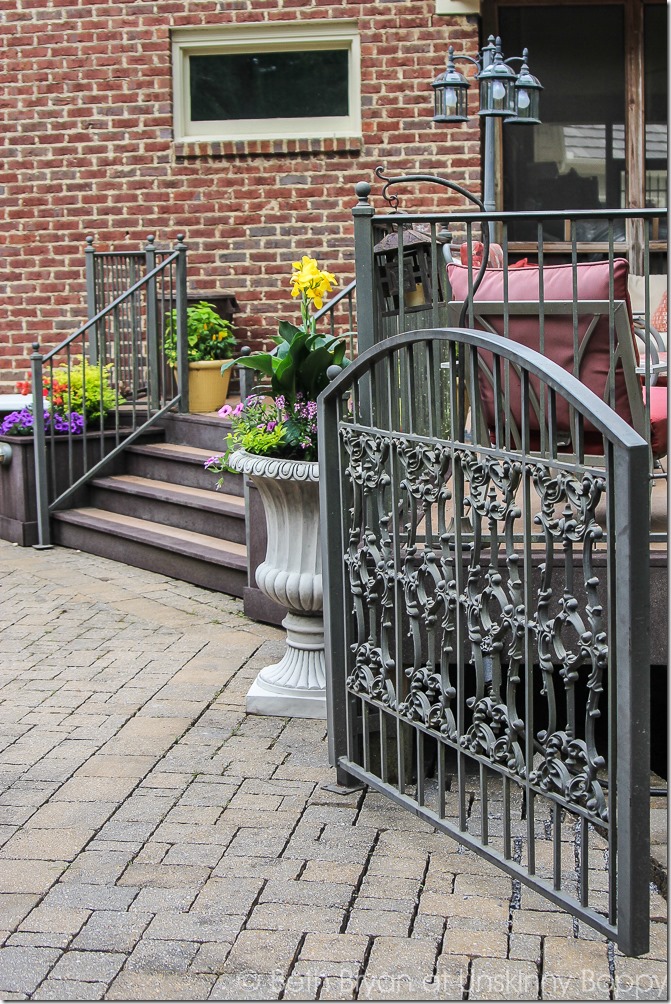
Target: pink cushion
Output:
{"points": [[523, 284], [659, 428]]}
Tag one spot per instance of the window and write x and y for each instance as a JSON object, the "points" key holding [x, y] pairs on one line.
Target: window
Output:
{"points": [[573, 160], [267, 82], [588, 151]]}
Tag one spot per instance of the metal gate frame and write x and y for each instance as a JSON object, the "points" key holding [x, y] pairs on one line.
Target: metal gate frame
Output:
{"points": [[390, 472]]}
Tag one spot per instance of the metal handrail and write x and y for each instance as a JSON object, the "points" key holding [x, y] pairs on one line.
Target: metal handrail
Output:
{"points": [[113, 305], [164, 283]]}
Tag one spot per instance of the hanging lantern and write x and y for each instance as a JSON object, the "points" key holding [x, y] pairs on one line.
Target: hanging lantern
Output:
{"points": [[497, 86], [527, 95], [415, 272], [450, 92]]}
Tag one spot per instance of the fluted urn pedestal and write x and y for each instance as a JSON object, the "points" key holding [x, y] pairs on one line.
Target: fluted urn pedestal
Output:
{"points": [[291, 575]]}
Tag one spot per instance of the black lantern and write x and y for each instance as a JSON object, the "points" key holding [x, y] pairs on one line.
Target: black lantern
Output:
{"points": [[415, 271], [497, 86], [527, 95], [450, 93]]}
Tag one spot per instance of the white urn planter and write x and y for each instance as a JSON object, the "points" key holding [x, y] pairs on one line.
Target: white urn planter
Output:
{"points": [[291, 575]]}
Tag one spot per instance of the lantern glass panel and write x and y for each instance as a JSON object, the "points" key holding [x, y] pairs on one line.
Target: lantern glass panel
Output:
{"points": [[450, 103], [528, 107], [497, 96]]}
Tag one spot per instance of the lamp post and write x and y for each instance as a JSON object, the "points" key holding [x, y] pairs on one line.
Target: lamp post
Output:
{"points": [[504, 94]]}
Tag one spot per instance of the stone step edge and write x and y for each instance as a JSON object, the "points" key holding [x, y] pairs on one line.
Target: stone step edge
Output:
{"points": [[173, 451], [162, 491], [185, 542]]}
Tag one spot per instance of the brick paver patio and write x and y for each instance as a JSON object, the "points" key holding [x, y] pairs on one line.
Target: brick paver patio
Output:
{"points": [[157, 843]]}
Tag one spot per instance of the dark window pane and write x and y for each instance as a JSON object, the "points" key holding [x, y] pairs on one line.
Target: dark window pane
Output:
{"points": [[656, 98], [270, 85], [574, 160]]}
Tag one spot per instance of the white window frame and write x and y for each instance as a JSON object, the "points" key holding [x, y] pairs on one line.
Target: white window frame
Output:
{"points": [[187, 42]]}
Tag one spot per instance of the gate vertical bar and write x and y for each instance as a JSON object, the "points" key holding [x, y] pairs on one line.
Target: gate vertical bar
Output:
{"points": [[153, 374], [182, 342], [632, 679], [333, 549], [43, 535]]}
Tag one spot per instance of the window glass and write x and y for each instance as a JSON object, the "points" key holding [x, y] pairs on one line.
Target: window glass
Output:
{"points": [[269, 85], [286, 80], [575, 158]]}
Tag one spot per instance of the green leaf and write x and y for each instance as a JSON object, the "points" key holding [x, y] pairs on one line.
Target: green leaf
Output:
{"points": [[261, 363], [313, 371], [288, 330]]}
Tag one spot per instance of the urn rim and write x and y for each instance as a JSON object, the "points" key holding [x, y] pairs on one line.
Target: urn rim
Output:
{"points": [[273, 467]]}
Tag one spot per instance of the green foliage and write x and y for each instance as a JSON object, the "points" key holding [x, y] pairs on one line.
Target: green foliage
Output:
{"points": [[261, 441], [298, 364], [85, 389], [209, 336]]}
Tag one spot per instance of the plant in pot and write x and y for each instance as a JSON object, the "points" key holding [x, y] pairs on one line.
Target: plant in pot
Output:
{"points": [[273, 441], [76, 397], [210, 339]]}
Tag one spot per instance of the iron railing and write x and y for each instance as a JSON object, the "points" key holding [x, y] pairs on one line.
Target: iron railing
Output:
{"points": [[109, 274], [487, 641], [410, 290], [123, 347]]}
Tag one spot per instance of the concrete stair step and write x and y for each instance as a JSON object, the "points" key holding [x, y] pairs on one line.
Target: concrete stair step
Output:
{"points": [[205, 431], [194, 557], [204, 511], [178, 463]]}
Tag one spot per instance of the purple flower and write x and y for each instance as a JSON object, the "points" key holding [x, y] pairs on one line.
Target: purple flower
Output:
{"points": [[238, 410], [271, 426], [20, 423], [17, 423], [224, 412], [211, 461]]}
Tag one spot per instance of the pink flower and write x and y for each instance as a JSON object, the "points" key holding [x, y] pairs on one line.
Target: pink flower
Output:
{"points": [[225, 411]]}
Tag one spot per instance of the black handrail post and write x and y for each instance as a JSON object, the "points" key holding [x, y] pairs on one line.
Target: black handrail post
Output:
{"points": [[181, 333], [153, 375], [91, 304], [39, 445], [363, 213], [246, 377]]}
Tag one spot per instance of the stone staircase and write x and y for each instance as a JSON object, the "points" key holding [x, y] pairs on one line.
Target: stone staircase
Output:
{"points": [[158, 509]]}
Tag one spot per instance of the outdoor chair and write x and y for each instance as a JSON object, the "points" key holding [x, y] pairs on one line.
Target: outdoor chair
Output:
{"points": [[572, 316], [650, 326]]}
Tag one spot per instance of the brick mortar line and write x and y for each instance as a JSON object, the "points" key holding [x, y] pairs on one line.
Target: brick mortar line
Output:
{"points": [[420, 890], [465, 993], [363, 967], [292, 964], [359, 883]]}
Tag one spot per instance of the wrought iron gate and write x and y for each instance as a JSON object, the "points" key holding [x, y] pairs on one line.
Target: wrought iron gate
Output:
{"points": [[487, 641]]}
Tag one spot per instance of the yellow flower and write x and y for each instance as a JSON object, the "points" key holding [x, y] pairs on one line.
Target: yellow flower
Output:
{"points": [[309, 281]]}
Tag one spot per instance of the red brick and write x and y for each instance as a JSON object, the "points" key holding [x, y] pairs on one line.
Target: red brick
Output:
{"points": [[87, 130]]}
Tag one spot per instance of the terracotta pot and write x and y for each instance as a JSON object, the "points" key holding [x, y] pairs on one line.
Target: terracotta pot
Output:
{"points": [[208, 386]]}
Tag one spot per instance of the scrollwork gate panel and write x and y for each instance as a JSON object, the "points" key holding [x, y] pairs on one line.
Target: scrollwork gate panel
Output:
{"points": [[486, 639]]}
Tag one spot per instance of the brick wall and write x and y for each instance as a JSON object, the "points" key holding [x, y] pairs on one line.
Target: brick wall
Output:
{"points": [[86, 116]]}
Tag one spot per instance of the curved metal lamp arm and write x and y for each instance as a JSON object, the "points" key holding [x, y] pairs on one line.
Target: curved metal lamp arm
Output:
{"points": [[454, 187]]}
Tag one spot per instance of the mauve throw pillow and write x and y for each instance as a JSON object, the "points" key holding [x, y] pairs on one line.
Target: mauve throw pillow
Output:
{"points": [[523, 284], [659, 318]]}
